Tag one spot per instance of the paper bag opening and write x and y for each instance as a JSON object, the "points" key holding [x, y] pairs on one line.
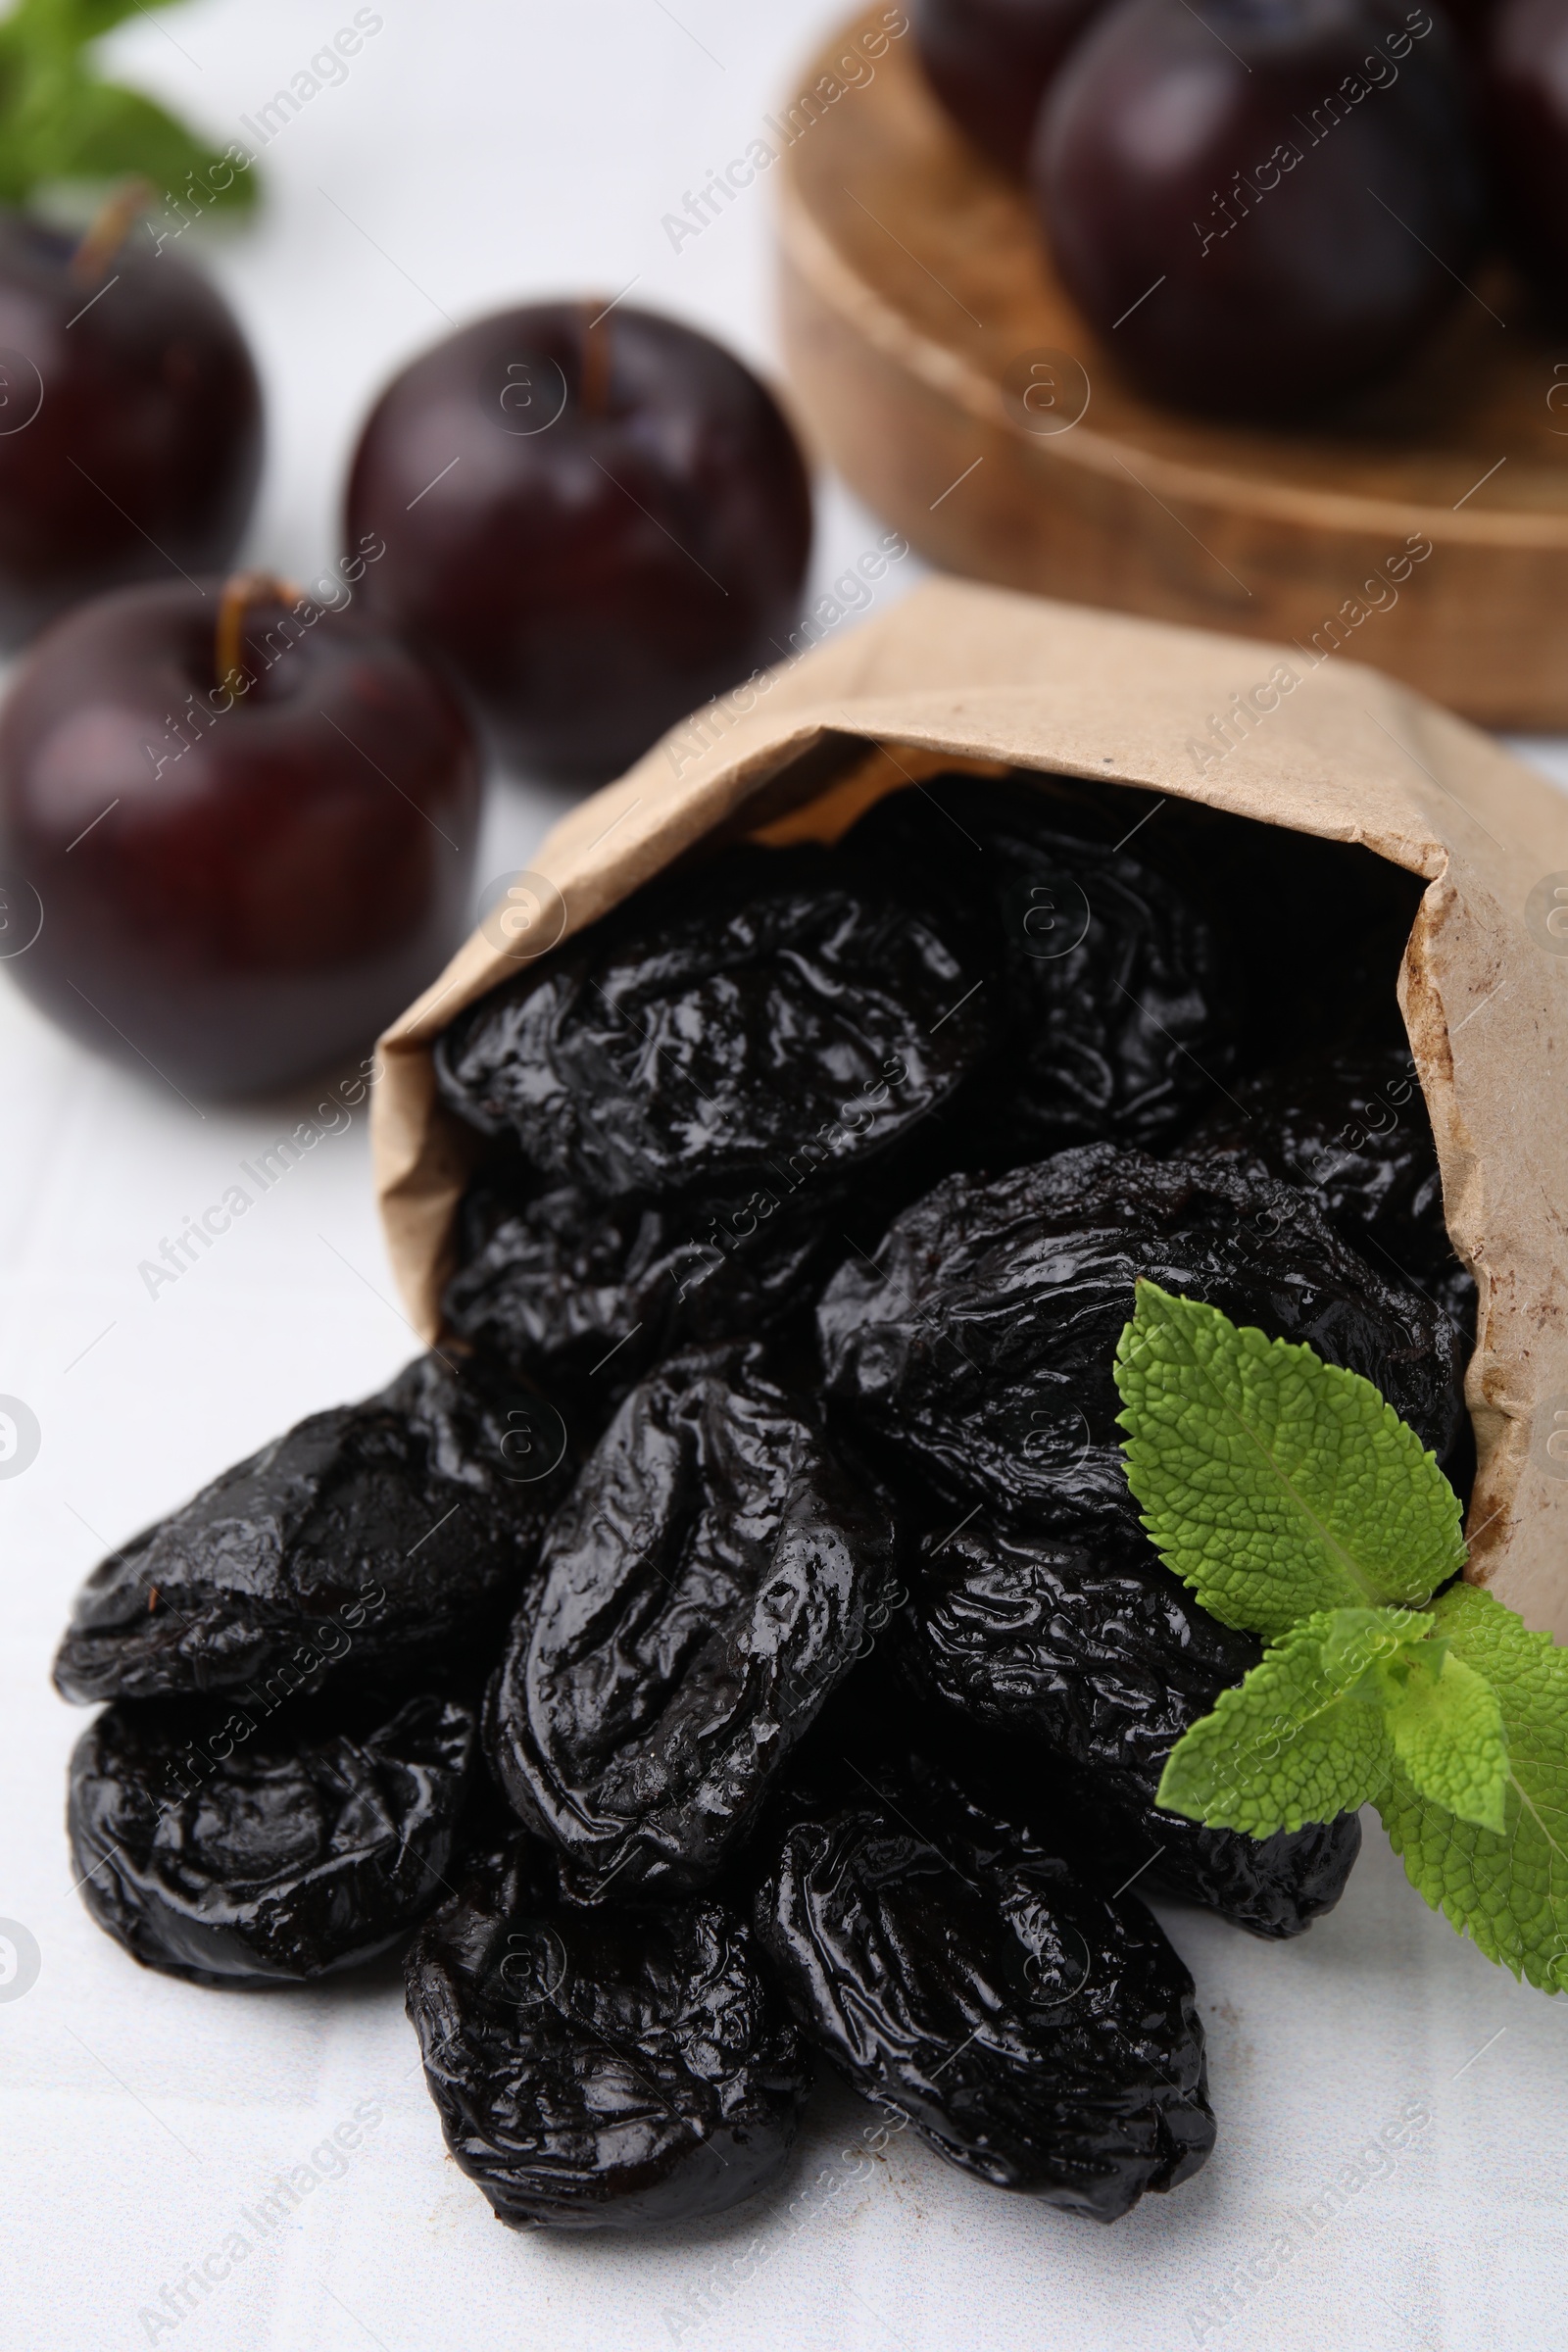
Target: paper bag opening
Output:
{"points": [[966, 679]]}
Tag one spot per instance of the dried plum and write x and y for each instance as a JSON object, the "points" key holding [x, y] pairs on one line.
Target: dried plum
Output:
{"points": [[760, 1017], [602, 2069], [1273, 1886], [1101, 1657], [955, 1969], [1109, 973], [233, 1848], [700, 1113], [977, 1350], [1352, 1129], [703, 1590], [584, 1296], [1101, 1652], [381, 1536]]}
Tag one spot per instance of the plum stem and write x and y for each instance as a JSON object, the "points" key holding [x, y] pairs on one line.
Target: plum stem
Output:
{"points": [[107, 230], [242, 590], [595, 385]]}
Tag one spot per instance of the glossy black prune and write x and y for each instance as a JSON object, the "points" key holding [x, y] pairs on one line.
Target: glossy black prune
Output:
{"points": [[240, 1850], [955, 1969], [584, 1296], [1274, 1888], [977, 1353], [1099, 1651], [1352, 1129], [703, 1590], [376, 1537], [765, 1016], [601, 2069], [1103, 1658], [1107, 979]]}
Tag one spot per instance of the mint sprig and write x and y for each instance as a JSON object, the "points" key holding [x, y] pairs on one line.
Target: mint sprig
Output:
{"points": [[1305, 1736], [1292, 1499], [1506, 1886], [62, 120], [1275, 1485]]}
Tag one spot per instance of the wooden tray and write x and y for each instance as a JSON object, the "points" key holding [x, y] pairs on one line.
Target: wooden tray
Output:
{"points": [[937, 362]]}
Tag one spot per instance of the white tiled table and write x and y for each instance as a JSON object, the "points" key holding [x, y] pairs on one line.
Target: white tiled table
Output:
{"points": [[479, 150]]}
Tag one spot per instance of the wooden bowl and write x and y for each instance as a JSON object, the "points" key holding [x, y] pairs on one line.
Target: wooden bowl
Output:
{"points": [[939, 365]]}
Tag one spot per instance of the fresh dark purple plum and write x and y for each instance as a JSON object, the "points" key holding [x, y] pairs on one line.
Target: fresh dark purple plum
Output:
{"points": [[249, 826], [131, 421], [1263, 205], [989, 60], [1525, 69], [595, 523]]}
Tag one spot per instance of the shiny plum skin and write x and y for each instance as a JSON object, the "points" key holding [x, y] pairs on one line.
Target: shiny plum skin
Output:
{"points": [[232, 898], [990, 62], [1264, 208], [131, 424], [594, 526]]}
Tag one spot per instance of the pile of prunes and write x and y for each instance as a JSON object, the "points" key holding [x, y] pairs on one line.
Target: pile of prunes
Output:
{"points": [[736, 1639]]}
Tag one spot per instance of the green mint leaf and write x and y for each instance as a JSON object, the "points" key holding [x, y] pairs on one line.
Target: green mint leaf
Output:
{"points": [[1447, 1729], [1507, 1888], [106, 132], [1276, 1485], [59, 121], [1306, 1735]]}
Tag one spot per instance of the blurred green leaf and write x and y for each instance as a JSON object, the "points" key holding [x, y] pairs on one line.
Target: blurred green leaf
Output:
{"points": [[60, 120]]}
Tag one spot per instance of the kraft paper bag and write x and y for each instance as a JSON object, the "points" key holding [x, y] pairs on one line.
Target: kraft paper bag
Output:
{"points": [[983, 680]]}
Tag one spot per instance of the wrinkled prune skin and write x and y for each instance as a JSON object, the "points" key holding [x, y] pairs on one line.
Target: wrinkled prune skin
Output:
{"points": [[381, 1537], [1352, 1129], [1273, 1886], [240, 1851], [1101, 1656], [602, 2070], [703, 1590], [955, 1969], [584, 1296], [750, 1020], [977, 1353], [1101, 1651], [1108, 981]]}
